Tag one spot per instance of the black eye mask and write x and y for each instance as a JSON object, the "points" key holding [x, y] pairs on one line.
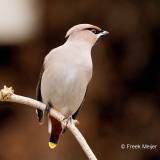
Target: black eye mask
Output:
{"points": [[93, 30]]}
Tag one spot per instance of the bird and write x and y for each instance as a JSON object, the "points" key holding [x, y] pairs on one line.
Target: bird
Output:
{"points": [[65, 75]]}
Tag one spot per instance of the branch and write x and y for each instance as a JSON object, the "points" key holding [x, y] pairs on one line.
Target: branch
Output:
{"points": [[7, 94]]}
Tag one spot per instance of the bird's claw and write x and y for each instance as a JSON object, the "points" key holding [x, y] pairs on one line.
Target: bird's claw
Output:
{"points": [[67, 119], [48, 107]]}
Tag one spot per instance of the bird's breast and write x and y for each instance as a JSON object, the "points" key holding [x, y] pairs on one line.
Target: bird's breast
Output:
{"points": [[64, 84]]}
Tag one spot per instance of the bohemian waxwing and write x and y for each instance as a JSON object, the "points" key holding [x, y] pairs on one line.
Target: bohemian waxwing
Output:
{"points": [[65, 75]]}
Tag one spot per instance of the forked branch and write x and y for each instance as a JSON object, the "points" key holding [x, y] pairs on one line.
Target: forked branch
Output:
{"points": [[7, 94]]}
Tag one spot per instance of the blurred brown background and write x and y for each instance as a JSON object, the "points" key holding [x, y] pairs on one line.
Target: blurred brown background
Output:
{"points": [[122, 104]]}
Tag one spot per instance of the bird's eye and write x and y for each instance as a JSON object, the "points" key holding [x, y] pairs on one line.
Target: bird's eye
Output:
{"points": [[93, 31]]}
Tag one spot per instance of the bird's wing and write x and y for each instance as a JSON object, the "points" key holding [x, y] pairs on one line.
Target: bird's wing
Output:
{"points": [[39, 97], [75, 114]]}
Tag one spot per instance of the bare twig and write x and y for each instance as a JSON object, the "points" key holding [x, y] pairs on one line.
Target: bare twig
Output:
{"points": [[7, 94]]}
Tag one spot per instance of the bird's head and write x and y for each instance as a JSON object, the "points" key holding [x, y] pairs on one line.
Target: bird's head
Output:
{"points": [[85, 34]]}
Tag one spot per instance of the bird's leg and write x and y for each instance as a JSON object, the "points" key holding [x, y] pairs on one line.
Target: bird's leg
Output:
{"points": [[48, 107]]}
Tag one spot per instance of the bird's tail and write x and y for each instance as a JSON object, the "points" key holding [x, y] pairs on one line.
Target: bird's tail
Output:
{"points": [[55, 131]]}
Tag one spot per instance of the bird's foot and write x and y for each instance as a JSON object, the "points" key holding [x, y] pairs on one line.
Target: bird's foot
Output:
{"points": [[48, 107], [67, 119]]}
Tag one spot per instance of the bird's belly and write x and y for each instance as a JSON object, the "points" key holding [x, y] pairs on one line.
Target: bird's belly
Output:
{"points": [[64, 90]]}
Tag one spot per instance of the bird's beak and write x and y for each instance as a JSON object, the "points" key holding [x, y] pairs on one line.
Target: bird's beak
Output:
{"points": [[103, 33]]}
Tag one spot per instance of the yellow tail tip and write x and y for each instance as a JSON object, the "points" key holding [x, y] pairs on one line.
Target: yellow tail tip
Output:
{"points": [[52, 145]]}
